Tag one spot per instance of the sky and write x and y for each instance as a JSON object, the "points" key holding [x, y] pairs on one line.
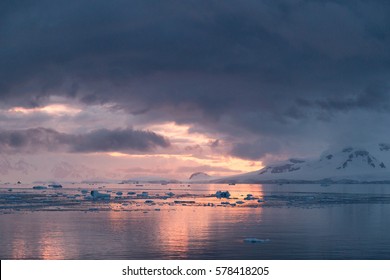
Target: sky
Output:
{"points": [[119, 89]]}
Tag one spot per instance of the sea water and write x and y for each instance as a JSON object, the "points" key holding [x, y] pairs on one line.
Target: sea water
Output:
{"points": [[283, 221]]}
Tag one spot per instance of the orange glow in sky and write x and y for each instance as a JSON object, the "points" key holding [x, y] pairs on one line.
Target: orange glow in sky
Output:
{"points": [[52, 109], [192, 149]]}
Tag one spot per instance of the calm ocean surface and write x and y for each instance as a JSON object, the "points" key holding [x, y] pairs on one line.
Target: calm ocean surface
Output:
{"points": [[290, 221]]}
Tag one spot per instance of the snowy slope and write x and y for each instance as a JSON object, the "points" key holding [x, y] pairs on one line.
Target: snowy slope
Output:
{"points": [[350, 164]]}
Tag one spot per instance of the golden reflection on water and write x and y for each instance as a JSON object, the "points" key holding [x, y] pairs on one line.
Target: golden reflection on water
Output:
{"points": [[52, 246], [177, 228], [19, 248], [170, 230], [189, 223], [42, 237]]}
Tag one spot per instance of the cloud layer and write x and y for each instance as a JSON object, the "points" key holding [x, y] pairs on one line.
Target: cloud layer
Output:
{"points": [[268, 77], [37, 140]]}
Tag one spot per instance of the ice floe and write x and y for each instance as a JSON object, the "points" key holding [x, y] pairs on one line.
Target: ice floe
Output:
{"points": [[39, 187], [255, 240], [55, 186], [97, 195]]}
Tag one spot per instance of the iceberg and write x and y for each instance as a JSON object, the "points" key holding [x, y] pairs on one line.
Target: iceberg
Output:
{"points": [[222, 194]]}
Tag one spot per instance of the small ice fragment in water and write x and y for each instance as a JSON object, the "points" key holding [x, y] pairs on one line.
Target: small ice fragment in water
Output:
{"points": [[97, 195], [240, 202], [255, 240], [170, 194], [119, 193], [131, 193], [249, 197], [39, 188], [184, 201], [222, 194], [55, 186], [143, 194]]}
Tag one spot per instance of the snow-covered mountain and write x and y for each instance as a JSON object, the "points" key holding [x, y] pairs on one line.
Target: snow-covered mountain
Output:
{"points": [[347, 165]]}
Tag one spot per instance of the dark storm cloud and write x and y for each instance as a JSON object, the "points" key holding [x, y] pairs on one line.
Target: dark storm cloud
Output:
{"points": [[42, 139], [32, 140], [104, 140], [271, 68]]}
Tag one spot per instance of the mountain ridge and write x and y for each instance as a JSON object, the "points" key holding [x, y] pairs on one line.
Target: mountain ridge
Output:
{"points": [[347, 165]]}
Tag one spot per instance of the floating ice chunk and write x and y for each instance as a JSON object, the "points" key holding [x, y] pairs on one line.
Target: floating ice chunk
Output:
{"points": [[143, 194], [221, 194], [184, 202], [249, 197], [55, 186], [148, 201], [260, 200], [240, 202], [170, 194], [97, 195], [255, 240], [39, 188], [131, 193], [119, 193]]}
